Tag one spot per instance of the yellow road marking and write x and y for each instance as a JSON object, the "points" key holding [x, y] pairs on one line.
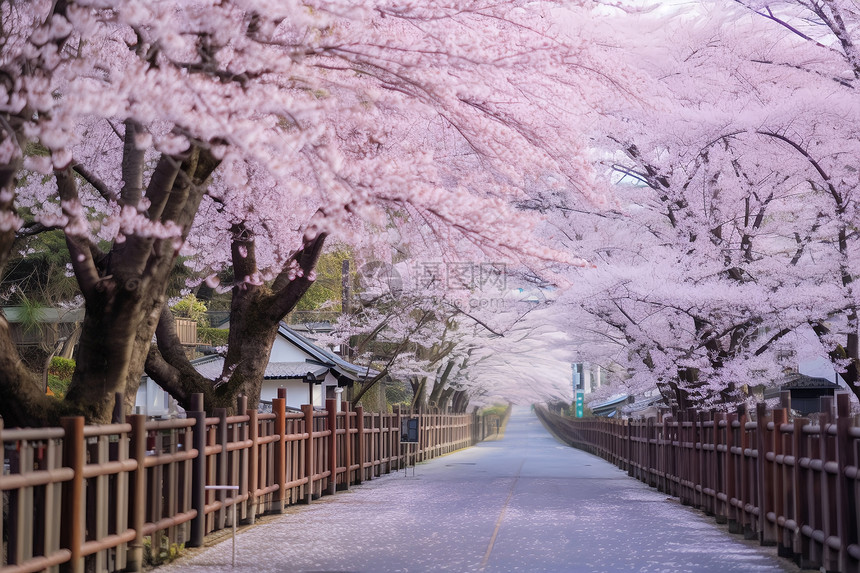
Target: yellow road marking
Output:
{"points": [[501, 517]]}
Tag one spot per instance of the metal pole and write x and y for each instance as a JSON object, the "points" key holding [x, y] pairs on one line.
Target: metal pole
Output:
{"points": [[234, 532], [234, 488]]}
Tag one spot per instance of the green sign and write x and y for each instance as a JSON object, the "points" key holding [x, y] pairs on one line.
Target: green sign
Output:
{"points": [[579, 396]]}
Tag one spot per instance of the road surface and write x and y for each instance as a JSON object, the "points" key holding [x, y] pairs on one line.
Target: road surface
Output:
{"points": [[524, 503]]}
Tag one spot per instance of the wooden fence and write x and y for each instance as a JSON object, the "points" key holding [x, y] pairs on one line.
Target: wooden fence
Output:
{"points": [[112, 497], [786, 482]]}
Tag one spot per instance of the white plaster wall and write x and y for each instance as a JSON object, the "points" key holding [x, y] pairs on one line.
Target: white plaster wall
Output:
{"points": [[151, 399], [284, 351], [297, 392]]}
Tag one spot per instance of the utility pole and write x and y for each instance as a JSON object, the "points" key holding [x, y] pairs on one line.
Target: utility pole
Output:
{"points": [[345, 301]]}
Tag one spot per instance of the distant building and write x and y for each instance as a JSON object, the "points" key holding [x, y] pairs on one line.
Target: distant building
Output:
{"points": [[806, 392], [587, 376], [48, 328], [306, 372], [612, 407]]}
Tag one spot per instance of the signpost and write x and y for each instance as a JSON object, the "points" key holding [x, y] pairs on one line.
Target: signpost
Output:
{"points": [[578, 386], [409, 435], [579, 396], [409, 430]]}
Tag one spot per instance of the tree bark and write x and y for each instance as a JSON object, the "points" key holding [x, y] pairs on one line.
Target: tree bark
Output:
{"points": [[255, 314]]}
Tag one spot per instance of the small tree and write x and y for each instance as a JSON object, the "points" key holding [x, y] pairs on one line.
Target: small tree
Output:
{"points": [[191, 308]]}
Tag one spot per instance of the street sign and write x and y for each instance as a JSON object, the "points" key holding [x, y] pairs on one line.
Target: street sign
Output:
{"points": [[579, 403]]}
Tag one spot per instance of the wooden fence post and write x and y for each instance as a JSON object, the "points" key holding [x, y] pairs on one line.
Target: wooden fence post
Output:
{"points": [[746, 495], [253, 465], [773, 505], [651, 450], [682, 468], [663, 455], [198, 472], [827, 501], [379, 424], [137, 515], [238, 464], [799, 499], [763, 477], [630, 450], [707, 450], [846, 528], [331, 418], [308, 411], [730, 472], [361, 454], [72, 532], [279, 499], [221, 467], [398, 421], [348, 443]]}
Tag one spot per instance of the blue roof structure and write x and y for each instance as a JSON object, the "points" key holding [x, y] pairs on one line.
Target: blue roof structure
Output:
{"points": [[608, 408]]}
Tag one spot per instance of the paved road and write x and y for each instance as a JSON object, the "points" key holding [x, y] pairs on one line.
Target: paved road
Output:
{"points": [[525, 503]]}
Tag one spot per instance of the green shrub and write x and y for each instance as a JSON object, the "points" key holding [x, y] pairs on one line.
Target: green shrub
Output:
{"points": [[190, 307], [57, 386], [62, 368], [163, 554], [213, 336], [496, 409], [60, 375]]}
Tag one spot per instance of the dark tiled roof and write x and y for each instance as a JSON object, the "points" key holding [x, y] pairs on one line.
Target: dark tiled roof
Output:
{"points": [[45, 315], [338, 364], [212, 366], [804, 381], [321, 362], [643, 404], [294, 370]]}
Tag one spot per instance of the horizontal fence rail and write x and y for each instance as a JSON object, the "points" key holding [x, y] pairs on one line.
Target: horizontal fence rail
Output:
{"points": [[121, 496], [793, 483]]}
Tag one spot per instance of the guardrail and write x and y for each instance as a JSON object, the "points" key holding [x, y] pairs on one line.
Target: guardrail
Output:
{"points": [[119, 496], [787, 482]]}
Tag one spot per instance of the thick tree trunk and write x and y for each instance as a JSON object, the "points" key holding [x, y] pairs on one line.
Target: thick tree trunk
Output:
{"points": [[124, 301], [249, 345], [197, 170], [255, 313], [148, 321], [123, 293], [419, 393], [436, 398], [443, 403], [104, 351], [460, 402]]}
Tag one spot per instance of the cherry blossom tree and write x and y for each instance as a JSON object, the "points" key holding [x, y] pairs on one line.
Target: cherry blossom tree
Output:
{"points": [[246, 133], [447, 326], [826, 145], [733, 231]]}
